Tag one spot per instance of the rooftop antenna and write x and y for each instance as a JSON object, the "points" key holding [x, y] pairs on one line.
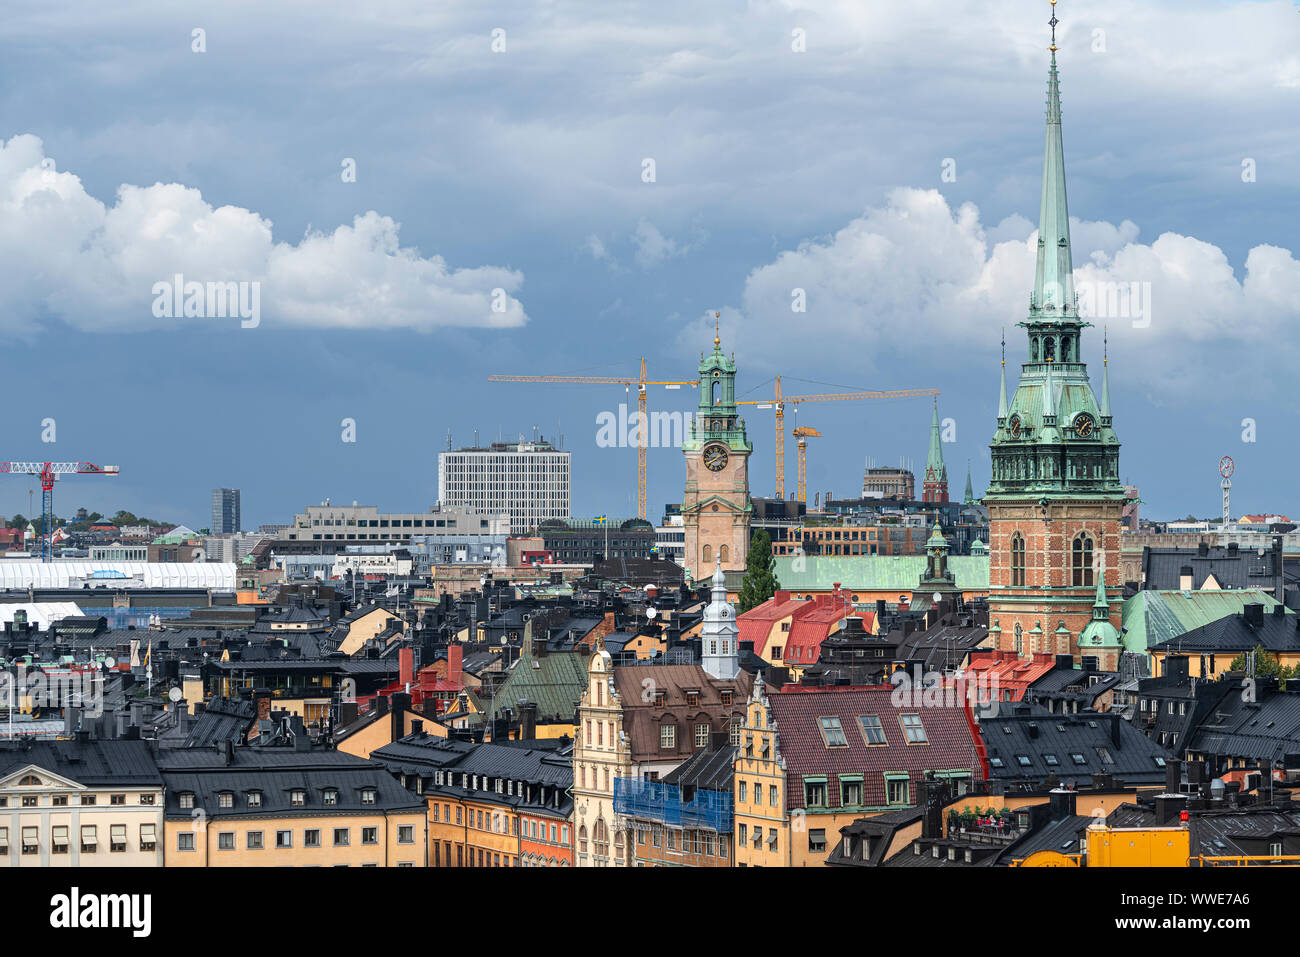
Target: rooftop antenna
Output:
{"points": [[448, 439]]}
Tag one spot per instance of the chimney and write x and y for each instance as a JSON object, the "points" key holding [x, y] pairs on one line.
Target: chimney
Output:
{"points": [[527, 721], [455, 657], [1168, 807], [406, 666], [1232, 549], [1185, 578], [1279, 582], [1253, 614], [1202, 549], [1173, 776], [1176, 666], [417, 727], [1114, 730], [228, 752], [1063, 803]]}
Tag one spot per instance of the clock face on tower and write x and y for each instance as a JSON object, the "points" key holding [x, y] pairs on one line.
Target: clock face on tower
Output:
{"points": [[715, 457], [1084, 426], [1014, 426]]}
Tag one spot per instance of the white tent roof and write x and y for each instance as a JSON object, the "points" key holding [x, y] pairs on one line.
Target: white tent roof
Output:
{"points": [[40, 613], [16, 573]]}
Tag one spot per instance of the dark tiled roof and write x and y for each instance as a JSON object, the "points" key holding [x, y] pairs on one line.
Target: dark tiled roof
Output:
{"points": [[1081, 745], [1236, 633], [1268, 728]]}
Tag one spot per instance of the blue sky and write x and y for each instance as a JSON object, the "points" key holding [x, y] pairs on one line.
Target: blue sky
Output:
{"points": [[129, 157]]}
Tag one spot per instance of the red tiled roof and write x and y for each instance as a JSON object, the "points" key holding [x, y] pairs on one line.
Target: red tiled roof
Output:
{"points": [[952, 741], [1011, 673], [810, 629], [756, 624]]}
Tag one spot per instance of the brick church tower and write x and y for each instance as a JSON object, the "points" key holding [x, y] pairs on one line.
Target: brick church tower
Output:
{"points": [[935, 486], [1055, 498]]}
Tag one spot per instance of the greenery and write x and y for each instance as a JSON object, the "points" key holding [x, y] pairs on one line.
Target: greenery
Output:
{"points": [[1267, 665], [760, 582]]}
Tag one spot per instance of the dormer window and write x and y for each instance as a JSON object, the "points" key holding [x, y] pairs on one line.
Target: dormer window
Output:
{"points": [[297, 797], [254, 798], [693, 699], [367, 795], [331, 796], [225, 800]]}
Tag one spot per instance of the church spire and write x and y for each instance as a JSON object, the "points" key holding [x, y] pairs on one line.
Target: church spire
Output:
{"points": [[1105, 376], [969, 497], [935, 488], [1002, 395], [1053, 296]]}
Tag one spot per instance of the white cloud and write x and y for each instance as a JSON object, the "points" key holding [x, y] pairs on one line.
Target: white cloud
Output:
{"points": [[915, 269], [66, 254], [652, 246]]}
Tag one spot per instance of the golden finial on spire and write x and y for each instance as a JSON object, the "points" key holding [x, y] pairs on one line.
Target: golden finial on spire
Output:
{"points": [[1105, 345], [717, 339], [1052, 23], [1004, 348]]}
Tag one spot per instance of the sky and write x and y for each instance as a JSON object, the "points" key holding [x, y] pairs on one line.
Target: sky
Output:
{"points": [[415, 196]]}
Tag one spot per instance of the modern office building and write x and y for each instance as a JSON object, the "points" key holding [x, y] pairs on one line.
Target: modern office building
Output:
{"points": [[528, 480], [328, 524], [225, 511]]}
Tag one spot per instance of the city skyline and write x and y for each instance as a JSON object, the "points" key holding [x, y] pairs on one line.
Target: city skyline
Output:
{"points": [[906, 224]]}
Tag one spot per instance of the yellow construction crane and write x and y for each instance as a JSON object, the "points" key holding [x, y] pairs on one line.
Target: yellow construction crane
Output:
{"points": [[803, 433], [642, 433], [780, 401]]}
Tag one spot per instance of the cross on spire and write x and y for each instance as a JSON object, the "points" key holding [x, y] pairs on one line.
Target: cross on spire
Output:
{"points": [[1052, 23]]}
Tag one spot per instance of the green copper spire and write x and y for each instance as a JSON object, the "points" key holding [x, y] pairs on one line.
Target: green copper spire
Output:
{"points": [[1101, 607], [1053, 296], [969, 497], [934, 461]]}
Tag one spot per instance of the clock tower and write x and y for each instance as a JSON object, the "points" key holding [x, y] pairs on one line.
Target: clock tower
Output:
{"points": [[716, 509], [1055, 498]]}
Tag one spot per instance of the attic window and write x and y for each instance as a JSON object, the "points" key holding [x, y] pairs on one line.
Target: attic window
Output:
{"points": [[1078, 758], [367, 795], [693, 699], [254, 798], [331, 796]]}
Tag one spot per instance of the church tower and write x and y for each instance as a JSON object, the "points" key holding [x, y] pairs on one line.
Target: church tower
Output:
{"points": [[716, 509], [1054, 498], [719, 634], [935, 486]]}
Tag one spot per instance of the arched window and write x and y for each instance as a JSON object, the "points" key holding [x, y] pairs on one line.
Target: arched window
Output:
{"points": [[1020, 640], [582, 839], [724, 552], [30, 781], [1049, 349], [1081, 561], [708, 554], [716, 392], [1017, 559]]}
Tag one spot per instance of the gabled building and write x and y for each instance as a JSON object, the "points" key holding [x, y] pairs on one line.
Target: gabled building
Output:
{"points": [[1211, 649], [812, 760]]}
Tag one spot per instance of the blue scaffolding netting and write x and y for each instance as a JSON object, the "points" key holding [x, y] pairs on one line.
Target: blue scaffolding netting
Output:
{"points": [[660, 802]]}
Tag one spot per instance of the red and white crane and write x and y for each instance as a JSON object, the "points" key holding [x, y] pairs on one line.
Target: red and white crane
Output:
{"points": [[49, 472]]}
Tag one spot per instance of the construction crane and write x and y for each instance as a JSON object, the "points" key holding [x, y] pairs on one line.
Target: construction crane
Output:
{"points": [[780, 401], [803, 433], [642, 433], [49, 472]]}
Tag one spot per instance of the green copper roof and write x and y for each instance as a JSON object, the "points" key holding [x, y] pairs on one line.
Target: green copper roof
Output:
{"points": [[934, 461], [1054, 273], [555, 685], [968, 497], [1152, 617], [900, 573]]}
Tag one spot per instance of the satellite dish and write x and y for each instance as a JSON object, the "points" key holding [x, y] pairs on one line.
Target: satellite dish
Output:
{"points": [[937, 598], [651, 611], [176, 694]]}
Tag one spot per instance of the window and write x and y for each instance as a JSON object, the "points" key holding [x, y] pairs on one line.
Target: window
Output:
{"points": [[117, 799], [872, 730], [342, 836], [254, 798], [692, 699], [913, 728], [225, 799], [772, 789], [701, 735], [29, 800], [59, 840], [1105, 756], [406, 834], [742, 791], [185, 798], [184, 841], [144, 799], [367, 795], [896, 790], [850, 792], [370, 835], [1081, 561], [331, 796], [1078, 758], [297, 797], [816, 840], [1022, 760], [59, 800], [311, 838], [4, 842], [668, 736], [814, 793], [1017, 560], [1050, 760], [117, 838], [226, 841], [31, 841], [832, 733], [284, 838]]}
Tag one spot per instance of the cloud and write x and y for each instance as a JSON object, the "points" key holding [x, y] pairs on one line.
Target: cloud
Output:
{"points": [[652, 246], [65, 254], [915, 269]]}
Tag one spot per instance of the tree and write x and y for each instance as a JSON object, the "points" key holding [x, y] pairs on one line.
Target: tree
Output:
{"points": [[1267, 664], [760, 582]]}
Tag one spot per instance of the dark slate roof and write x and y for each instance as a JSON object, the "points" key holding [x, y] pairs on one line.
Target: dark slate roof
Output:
{"points": [[223, 719], [1224, 831], [878, 833], [1237, 633], [709, 769], [276, 773], [1083, 744], [95, 763], [1231, 568], [1268, 728]]}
